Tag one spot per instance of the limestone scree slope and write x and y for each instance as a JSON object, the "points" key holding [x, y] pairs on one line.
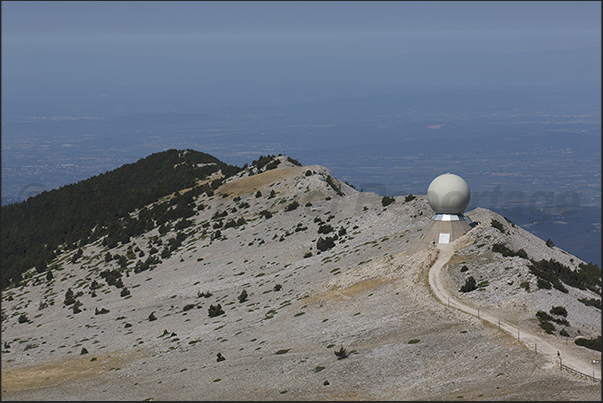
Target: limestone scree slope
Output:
{"points": [[291, 285]]}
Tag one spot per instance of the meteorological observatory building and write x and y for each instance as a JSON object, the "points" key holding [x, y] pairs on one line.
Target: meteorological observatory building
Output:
{"points": [[448, 195]]}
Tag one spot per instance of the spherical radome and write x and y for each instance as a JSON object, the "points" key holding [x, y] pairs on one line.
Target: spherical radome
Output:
{"points": [[448, 194]]}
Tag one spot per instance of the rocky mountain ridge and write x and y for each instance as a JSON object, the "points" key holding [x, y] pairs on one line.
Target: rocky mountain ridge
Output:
{"points": [[280, 267]]}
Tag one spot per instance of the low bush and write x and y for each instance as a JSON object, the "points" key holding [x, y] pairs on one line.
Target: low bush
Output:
{"points": [[265, 213], [341, 353], [542, 315], [548, 327], [215, 310], [498, 225], [325, 229], [558, 310], [506, 252], [243, 296], [387, 200], [325, 244], [591, 302], [292, 206], [593, 344], [545, 285], [470, 285]]}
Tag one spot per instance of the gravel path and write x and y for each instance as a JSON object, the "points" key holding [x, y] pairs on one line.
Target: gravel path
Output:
{"points": [[554, 352]]}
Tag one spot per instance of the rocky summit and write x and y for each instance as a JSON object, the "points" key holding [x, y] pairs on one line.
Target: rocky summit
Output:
{"points": [[284, 283]]}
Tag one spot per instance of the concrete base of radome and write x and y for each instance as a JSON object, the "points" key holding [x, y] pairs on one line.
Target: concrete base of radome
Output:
{"points": [[442, 229]]}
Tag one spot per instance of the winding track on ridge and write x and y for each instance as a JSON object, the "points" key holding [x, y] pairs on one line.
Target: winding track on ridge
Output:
{"points": [[530, 340]]}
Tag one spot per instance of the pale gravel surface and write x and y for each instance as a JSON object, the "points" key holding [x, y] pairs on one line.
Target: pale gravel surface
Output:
{"points": [[365, 295]]}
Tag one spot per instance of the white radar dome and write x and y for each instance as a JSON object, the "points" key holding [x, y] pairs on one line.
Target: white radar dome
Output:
{"points": [[448, 194]]}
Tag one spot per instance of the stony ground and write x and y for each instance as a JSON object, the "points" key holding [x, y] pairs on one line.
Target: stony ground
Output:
{"points": [[365, 295]]}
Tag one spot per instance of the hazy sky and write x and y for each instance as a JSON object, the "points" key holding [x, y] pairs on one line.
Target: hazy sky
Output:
{"points": [[301, 28], [138, 42]]}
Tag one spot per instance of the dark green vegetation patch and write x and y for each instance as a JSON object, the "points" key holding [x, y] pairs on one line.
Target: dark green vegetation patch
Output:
{"points": [[33, 231]]}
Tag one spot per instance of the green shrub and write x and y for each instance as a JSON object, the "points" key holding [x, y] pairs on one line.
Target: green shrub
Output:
{"points": [[503, 250], [525, 285], [23, 318], [470, 285], [558, 310], [215, 310], [545, 285], [69, 297], [591, 302], [76, 306], [113, 277], [593, 344], [543, 316], [273, 164], [265, 213], [294, 161], [341, 353], [292, 206], [152, 317], [263, 160], [498, 225], [548, 327], [334, 186], [325, 229], [561, 321], [588, 276], [387, 200], [549, 243], [325, 244], [243, 296], [409, 197]]}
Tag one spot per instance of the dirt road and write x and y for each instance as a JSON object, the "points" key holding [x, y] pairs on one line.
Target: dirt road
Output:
{"points": [[533, 341]]}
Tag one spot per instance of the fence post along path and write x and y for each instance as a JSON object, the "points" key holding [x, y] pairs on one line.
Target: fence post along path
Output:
{"points": [[545, 348]]}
